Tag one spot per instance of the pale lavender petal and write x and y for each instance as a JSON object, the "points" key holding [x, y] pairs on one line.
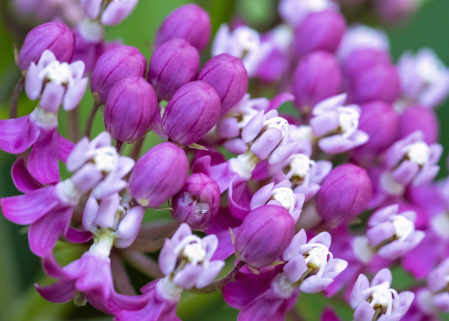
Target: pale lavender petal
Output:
{"points": [[77, 157], [282, 153], [209, 274], [394, 250], [253, 127], [89, 214], [188, 276], [426, 175], [363, 312], [314, 284], [294, 248], [129, 227], [74, 94], [360, 285], [236, 145], [380, 233], [33, 85], [321, 170], [335, 144], [329, 104], [381, 276], [325, 123], [265, 144], [116, 11], [405, 172], [279, 99], [295, 268], [52, 97], [28, 208], [65, 148], [261, 197], [383, 215], [322, 238], [105, 217]]}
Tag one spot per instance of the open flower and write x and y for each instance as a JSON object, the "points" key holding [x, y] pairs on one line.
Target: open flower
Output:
{"points": [[379, 301], [336, 125]]}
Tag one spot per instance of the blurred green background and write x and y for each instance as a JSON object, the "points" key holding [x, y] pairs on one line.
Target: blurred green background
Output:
{"points": [[19, 269]]}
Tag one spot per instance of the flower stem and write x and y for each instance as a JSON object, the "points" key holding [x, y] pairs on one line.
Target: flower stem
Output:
{"points": [[90, 120], [142, 263], [15, 97], [220, 284], [137, 147], [74, 125]]}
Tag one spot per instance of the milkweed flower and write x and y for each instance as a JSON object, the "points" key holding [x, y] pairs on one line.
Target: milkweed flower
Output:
{"points": [[108, 12]]}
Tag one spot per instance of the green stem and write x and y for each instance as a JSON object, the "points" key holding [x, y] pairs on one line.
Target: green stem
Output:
{"points": [[14, 102], [90, 120]]}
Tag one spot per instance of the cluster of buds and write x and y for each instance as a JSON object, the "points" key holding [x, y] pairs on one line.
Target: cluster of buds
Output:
{"points": [[351, 167]]}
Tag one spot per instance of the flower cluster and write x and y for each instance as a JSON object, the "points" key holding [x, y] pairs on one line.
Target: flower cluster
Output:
{"points": [[307, 201]]}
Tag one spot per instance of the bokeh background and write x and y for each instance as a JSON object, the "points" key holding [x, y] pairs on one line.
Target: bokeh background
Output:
{"points": [[19, 269]]}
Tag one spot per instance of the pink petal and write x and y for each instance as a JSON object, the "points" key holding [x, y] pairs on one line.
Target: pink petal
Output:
{"points": [[43, 162], [17, 135], [22, 178], [59, 292]]}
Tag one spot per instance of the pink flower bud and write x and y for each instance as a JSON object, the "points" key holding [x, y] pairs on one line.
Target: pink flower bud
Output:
{"points": [[264, 235], [228, 76], [53, 36], [419, 118], [191, 113], [197, 203], [319, 31], [130, 109], [344, 194], [114, 65], [317, 77], [173, 64], [190, 22], [159, 175]]}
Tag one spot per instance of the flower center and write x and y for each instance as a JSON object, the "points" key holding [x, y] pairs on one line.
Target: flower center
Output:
{"points": [[247, 38], [381, 298], [402, 227], [279, 123], [68, 193], [106, 159], [285, 196], [190, 250], [349, 120], [315, 255], [103, 241], [194, 252], [58, 73], [418, 153], [44, 119]]}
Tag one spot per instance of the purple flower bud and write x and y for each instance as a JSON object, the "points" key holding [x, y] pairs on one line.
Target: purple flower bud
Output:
{"points": [[376, 115], [114, 65], [319, 31], [197, 203], [53, 36], [344, 194], [360, 60], [130, 109], [228, 76], [317, 77], [191, 113], [381, 82], [190, 22], [264, 235], [294, 11], [395, 10], [173, 64], [159, 175], [419, 118]]}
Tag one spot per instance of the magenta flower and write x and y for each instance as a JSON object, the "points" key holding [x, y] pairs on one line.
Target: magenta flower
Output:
{"points": [[393, 234], [379, 301], [294, 11], [337, 125]]}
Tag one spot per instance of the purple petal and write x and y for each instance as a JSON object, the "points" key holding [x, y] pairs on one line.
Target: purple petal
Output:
{"points": [[188, 276], [335, 144], [405, 172], [360, 285], [74, 236], [209, 274], [44, 233], [363, 312], [60, 292], [282, 153], [278, 100], [74, 94], [52, 97], [383, 214], [295, 246], [65, 148], [28, 208], [129, 303], [202, 165], [381, 276], [17, 135], [261, 197], [380, 233], [253, 127], [22, 178], [33, 84], [43, 161], [322, 238], [266, 143], [325, 123]]}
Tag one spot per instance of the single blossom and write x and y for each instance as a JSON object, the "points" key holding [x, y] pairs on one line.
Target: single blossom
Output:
{"points": [[378, 301], [336, 125], [109, 12], [424, 78], [392, 233]]}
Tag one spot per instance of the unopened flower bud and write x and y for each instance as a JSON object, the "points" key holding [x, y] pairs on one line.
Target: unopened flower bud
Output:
{"points": [[197, 203], [189, 22], [319, 31], [191, 113], [114, 65], [419, 118], [159, 175], [344, 194], [53, 36], [264, 235], [130, 109], [228, 76], [360, 60], [376, 115], [173, 64], [317, 77]]}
